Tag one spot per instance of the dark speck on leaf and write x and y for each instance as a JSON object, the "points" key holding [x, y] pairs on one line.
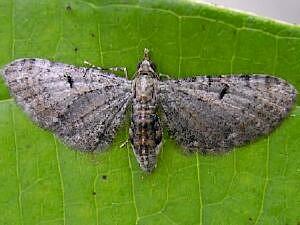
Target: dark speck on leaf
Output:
{"points": [[94, 193], [104, 177], [68, 8], [28, 146], [92, 34], [76, 49]]}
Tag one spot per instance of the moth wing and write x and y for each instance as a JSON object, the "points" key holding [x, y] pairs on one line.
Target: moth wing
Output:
{"points": [[83, 106], [216, 114]]}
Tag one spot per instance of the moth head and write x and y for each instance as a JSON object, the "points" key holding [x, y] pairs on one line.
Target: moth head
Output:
{"points": [[146, 65]]}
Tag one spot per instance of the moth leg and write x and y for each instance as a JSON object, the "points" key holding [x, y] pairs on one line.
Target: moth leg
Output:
{"points": [[134, 75], [113, 69], [122, 69], [125, 143], [92, 65], [129, 139], [160, 75]]}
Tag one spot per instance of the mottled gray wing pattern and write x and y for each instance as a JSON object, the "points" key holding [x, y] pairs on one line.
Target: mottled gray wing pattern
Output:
{"points": [[83, 106], [215, 114]]}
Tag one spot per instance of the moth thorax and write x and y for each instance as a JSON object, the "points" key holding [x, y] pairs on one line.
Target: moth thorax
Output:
{"points": [[144, 89]]}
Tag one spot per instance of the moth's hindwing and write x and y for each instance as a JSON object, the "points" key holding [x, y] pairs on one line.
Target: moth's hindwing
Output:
{"points": [[217, 114]]}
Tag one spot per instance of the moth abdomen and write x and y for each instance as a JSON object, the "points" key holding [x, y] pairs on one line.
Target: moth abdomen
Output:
{"points": [[146, 138], [145, 134]]}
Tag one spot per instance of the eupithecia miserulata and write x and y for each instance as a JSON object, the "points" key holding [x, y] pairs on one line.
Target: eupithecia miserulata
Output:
{"points": [[85, 106]]}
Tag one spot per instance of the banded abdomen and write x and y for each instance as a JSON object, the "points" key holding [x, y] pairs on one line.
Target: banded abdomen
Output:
{"points": [[145, 131]]}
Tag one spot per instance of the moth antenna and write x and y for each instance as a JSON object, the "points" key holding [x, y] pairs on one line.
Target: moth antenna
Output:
{"points": [[146, 53]]}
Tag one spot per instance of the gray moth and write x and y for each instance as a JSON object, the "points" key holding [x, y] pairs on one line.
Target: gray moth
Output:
{"points": [[85, 106]]}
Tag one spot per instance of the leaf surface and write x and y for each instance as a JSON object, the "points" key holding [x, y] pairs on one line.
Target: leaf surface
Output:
{"points": [[44, 182]]}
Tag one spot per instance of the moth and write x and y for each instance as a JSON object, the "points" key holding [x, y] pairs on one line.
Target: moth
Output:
{"points": [[84, 106]]}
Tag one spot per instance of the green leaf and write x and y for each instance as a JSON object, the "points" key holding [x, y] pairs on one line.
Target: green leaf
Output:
{"points": [[44, 182]]}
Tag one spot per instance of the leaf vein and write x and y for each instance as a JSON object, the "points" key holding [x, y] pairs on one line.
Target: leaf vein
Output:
{"points": [[95, 198], [266, 182], [61, 180], [168, 11], [200, 192], [17, 169], [13, 29], [133, 189], [99, 44], [180, 45]]}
